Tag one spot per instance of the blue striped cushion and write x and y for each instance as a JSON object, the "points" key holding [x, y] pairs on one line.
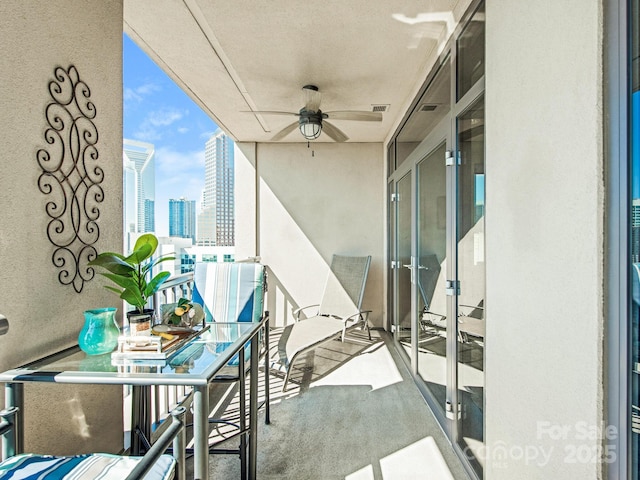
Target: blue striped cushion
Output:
{"points": [[81, 467], [229, 292]]}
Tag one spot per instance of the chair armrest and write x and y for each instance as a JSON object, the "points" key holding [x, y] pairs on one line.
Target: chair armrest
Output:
{"points": [[432, 314], [297, 311], [8, 432], [173, 434], [362, 315]]}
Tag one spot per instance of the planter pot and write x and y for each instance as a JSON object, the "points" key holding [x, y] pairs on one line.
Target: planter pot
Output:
{"points": [[100, 331], [140, 323]]}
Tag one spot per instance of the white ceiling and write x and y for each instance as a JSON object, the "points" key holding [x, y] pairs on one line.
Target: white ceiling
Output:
{"points": [[236, 56]]}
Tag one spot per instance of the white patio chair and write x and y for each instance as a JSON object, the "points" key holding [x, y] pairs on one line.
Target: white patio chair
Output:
{"points": [[339, 308]]}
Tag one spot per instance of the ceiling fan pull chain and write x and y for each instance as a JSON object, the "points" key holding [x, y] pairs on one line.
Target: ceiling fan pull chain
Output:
{"points": [[313, 153]]}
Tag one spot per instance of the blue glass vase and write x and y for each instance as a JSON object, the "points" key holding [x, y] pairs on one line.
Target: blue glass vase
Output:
{"points": [[100, 331]]}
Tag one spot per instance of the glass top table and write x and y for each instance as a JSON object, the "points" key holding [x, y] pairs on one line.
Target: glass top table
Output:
{"points": [[218, 347]]}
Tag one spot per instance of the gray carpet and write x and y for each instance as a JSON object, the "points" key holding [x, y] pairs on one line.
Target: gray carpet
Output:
{"points": [[350, 412]]}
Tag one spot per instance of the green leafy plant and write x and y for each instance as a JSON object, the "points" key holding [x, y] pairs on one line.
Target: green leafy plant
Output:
{"points": [[132, 274]]}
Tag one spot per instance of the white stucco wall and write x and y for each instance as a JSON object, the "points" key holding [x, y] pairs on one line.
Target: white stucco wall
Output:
{"points": [[44, 315], [310, 207], [544, 239]]}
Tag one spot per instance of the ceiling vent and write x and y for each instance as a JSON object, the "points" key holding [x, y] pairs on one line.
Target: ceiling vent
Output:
{"points": [[379, 108], [428, 107]]}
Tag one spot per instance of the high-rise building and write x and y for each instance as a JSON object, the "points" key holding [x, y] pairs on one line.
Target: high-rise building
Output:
{"points": [[149, 215], [138, 160], [216, 219], [182, 218], [635, 230]]}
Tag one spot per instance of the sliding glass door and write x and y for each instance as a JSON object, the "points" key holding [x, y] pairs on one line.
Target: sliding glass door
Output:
{"points": [[634, 240], [403, 312], [471, 278], [437, 263]]}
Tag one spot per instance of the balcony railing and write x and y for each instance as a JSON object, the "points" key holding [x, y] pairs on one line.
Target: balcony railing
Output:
{"points": [[165, 398]]}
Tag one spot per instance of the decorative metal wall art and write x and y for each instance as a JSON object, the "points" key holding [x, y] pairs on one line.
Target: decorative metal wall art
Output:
{"points": [[71, 177]]}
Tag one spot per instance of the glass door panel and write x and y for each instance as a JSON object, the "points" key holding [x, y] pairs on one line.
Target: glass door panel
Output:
{"points": [[432, 305], [470, 51], [471, 277], [403, 273], [391, 291], [634, 326]]}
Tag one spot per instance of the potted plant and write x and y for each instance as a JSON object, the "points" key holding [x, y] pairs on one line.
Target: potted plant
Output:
{"points": [[132, 275]]}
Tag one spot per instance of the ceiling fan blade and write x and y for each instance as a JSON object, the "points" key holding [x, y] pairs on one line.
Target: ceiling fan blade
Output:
{"points": [[334, 132], [312, 98], [285, 131], [355, 115], [271, 112]]}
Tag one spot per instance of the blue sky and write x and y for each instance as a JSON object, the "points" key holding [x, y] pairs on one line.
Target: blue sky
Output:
{"points": [[157, 111]]}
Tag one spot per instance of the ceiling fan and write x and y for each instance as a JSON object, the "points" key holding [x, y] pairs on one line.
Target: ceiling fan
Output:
{"points": [[312, 121]]}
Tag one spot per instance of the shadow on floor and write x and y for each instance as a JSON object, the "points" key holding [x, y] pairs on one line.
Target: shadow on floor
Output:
{"points": [[352, 412]]}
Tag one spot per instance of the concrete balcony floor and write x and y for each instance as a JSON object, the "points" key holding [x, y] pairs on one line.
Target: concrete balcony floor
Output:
{"points": [[351, 412]]}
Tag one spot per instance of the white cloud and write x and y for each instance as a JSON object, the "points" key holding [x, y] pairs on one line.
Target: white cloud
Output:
{"points": [[148, 89], [207, 135], [169, 160], [164, 117], [138, 94], [130, 94], [148, 130]]}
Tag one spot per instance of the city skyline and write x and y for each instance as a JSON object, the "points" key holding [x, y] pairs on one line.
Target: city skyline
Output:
{"points": [[157, 111]]}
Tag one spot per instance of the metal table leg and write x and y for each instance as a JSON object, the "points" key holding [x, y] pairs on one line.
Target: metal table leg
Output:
{"points": [[140, 418], [253, 408], [243, 414], [267, 364], [201, 432], [14, 397]]}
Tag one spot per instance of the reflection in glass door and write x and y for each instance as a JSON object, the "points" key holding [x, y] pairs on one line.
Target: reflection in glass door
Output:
{"points": [[432, 305], [471, 278], [634, 221], [403, 271]]}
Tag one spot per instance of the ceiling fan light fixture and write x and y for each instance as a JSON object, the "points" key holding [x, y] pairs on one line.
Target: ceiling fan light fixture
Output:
{"points": [[310, 127]]}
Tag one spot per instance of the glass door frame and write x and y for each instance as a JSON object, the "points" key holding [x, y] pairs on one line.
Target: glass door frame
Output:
{"points": [[467, 102], [440, 134], [617, 18]]}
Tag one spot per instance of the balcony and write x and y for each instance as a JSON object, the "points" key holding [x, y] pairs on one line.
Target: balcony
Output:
{"points": [[556, 128], [351, 410]]}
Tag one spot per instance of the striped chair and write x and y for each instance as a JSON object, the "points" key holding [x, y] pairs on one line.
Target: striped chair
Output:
{"points": [[229, 293], [154, 465]]}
